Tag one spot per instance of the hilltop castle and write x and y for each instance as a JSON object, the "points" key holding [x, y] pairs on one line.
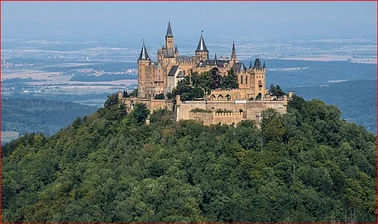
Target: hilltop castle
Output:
{"points": [[171, 67], [161, 77]]}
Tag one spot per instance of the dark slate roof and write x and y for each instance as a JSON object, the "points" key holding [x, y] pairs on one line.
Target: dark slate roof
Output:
{"points": [[257, 63], [143, 53], [180, 75], [173, 70], [185, 58], [201, 45], [219, 63], [237, 66], [169, 30], [168, 53]]}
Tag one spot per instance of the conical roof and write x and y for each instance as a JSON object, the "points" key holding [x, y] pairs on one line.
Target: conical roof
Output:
{"points": [[143, 53], [201, 45], [169, 30]]}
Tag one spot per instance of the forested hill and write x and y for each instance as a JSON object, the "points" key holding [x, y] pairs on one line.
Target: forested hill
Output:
{"points": [[308, 165]]}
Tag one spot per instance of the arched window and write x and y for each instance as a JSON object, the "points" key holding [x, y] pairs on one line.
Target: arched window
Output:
{"points": [[241, 79]]}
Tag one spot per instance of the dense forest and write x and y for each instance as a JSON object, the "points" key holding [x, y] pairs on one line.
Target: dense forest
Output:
{"points": [[38, 115], [307, 165]]}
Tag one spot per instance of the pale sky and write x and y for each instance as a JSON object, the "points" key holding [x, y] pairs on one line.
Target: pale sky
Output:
{"points": [[148, 20]]}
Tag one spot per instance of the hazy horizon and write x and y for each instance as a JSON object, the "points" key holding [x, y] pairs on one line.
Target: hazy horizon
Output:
{"points": [[221, 21]]}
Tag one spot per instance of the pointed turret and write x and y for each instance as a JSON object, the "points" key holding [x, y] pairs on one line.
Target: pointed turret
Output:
{"points": [[143, 53], [215, 60], [264, 65], [257, 64], [233, 53], [169, 43], [176, 49], [202, 53], [169, 30], [250, 64], [201, 45]]}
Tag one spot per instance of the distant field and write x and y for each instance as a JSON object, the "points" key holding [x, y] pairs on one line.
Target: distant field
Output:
{"points": [[7, 136]]}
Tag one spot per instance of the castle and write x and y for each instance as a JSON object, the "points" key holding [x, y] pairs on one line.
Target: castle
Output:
{"points": [[171, 67], [161, 77]]}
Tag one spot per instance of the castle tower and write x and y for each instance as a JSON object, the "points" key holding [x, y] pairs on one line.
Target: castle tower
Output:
{"points": [[143, 64], [233, 53], [169, 44], [201, 53], [258, 80]]}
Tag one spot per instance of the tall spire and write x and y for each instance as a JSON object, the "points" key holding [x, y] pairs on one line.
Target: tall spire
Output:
{"points": [[143, 53], [201, 44], [169, 30], [250, 64], [215, 60], [264, 65], [233, 54]]}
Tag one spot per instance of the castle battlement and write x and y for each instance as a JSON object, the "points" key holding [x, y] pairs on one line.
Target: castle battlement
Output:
{"points": [[228, 114], [215, 118]]}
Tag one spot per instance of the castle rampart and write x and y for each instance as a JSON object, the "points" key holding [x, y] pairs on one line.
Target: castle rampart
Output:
{"points": [[215, 118]]}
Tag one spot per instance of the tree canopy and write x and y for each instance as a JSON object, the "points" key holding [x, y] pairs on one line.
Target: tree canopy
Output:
{"points": [[201, 84]]}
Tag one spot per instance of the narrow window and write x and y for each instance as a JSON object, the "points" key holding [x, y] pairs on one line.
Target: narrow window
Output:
{"points": [[241, 79]]}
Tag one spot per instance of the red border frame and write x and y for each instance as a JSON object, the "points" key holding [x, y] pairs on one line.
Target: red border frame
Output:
{"points": [[376, 156]]}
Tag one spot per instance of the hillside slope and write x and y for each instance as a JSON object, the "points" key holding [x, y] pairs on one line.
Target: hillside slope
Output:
{"points": [[308, 165]]}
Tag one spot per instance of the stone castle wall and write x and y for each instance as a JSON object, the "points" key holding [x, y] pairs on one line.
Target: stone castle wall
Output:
{"points": [[215, 118], [241, 109], [152, 104], [250, 109]]}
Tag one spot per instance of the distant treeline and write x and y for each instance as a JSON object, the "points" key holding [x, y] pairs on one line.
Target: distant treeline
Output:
{"points": [[356, 100], [38, 115], [317, 73], [101, 78], [18, 80]]}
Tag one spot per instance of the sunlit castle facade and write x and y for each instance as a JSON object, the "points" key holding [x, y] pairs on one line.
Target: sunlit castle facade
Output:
{"points": [[163, 75]]}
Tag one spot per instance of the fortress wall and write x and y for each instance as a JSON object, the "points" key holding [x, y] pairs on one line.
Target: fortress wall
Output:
{"points": [[228, 118], [236, 94], [254, 108], [205, 118], [183, 109], [241, 109], [250, 109], [215, 118], [151, 104]]}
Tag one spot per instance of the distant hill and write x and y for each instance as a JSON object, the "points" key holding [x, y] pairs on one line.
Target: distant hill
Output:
{"points": [[309, 73], [308, 165], [38, 115], [356, 99]]}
